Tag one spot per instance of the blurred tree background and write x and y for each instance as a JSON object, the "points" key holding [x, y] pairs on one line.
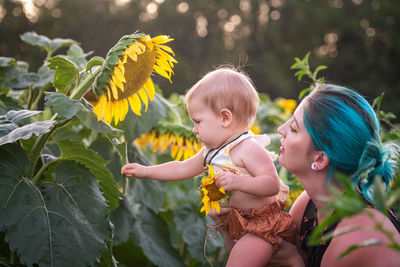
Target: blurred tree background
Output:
{"points": [[358, 40]]}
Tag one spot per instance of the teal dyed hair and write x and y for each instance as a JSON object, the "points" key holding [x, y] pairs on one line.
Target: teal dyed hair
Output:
{"points": [[344, 126]]}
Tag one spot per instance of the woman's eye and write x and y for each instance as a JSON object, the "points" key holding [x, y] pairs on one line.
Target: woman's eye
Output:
{"points": [[293, 127]]}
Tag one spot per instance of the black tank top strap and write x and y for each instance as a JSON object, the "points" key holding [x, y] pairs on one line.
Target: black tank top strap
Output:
{"points": [[308, 224], [394, 219]]}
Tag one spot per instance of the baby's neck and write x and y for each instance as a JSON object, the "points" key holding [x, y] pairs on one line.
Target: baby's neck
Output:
{"points": [[234, 134]]}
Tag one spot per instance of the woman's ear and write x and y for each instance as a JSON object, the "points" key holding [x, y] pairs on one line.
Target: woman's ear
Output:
{"points": [[226, 117], [320, 160]]}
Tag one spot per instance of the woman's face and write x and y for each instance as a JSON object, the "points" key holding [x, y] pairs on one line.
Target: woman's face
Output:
{"points": [[296, 144]]}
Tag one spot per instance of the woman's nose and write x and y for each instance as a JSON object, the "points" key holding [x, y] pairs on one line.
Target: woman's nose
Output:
{"points": [[281, 129]]}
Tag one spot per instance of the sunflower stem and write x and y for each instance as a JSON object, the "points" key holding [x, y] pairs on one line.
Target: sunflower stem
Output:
{"points": [[85, 85], [37, 176], [41, 142]]}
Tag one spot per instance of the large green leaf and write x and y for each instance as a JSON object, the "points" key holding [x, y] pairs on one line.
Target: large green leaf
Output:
{"points": [[50, 45], [77, 152], [67, 108], [11, 69], [193, 231], [76, 54], [123, 219], [54, 224], [150, 193], [152, 235], [24, 132], [67, 73], [26, 80], [134, 125]]}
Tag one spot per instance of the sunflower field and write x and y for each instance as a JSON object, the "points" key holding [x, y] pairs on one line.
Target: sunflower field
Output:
{"points": [[68, 127]]}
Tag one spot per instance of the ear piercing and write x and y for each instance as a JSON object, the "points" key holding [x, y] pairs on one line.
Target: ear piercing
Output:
{"points": [[314, 166]]}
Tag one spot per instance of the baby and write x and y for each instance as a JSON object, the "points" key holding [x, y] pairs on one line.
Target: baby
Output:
{"points": [[222, 106]]}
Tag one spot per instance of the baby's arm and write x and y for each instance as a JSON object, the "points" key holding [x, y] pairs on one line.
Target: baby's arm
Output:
{"points": [[258, 162], [170, 171]]}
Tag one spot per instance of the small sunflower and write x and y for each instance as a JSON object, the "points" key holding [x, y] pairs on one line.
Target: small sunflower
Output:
{"points": [[210, 193], [288, 105], [124, 79], [181, 140]]}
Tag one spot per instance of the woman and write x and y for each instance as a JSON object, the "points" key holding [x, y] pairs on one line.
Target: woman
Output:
{"points": [[335, 130]]}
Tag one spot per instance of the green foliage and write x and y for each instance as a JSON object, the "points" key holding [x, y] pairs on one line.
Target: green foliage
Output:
{"points": [[63, 199]]}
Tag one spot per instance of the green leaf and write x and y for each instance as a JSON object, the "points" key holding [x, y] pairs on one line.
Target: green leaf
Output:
{"points": [[123, 219], [49, 45], [366, 243], [67, 73], [54, 224], [62, 104], [25, 132], [77, 152], [67, 108], [94, 61], [193, 230], [151, 234], [76, 55], [150, 193], [17, 116], [134, 125]]}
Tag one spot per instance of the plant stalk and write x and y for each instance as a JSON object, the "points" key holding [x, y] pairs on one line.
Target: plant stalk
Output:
{"points": [[41, 142], [85, 85]]}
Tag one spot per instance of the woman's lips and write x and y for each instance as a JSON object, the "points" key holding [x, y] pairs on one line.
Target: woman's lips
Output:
{"points": [[282, 150]]}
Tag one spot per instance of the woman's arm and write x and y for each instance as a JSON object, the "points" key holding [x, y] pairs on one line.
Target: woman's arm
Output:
{"points": [[370, 256]]}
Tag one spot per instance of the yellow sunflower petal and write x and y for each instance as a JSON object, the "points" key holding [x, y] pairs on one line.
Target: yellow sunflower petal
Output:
{"points": [[125, 108], [211, 171], [166, 48], [222, 190], [162, 72], [215, 206], [162, 39], [114, 89], [150, 89], [135, 104], [179, 155], [118, 72], [143, 96], [117, 82], [174, 150]]}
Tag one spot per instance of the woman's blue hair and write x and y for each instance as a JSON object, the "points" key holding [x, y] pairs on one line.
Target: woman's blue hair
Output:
{"points": [[344, 126]]}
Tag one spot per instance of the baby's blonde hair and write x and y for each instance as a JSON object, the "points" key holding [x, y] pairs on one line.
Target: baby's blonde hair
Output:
{"points": [[228, 88]]}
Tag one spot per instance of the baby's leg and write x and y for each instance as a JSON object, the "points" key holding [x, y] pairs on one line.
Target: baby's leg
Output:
{"points": [[250, 250]]}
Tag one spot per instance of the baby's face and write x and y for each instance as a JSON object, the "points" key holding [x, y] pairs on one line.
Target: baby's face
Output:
{"points": [[207, 125]]}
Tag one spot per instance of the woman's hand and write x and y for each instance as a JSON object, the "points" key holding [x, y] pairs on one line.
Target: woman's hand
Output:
{"points": [[286, 256]]}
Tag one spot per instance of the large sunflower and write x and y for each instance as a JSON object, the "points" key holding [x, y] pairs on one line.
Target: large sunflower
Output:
{"points": [[210, 193], [124, 79]]}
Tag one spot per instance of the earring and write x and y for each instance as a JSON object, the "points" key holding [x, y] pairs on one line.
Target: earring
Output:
{"points": [[314, 166]]}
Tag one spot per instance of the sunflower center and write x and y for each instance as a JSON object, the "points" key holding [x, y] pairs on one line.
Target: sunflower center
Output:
{"points": [[213, 192], [137, 73]]}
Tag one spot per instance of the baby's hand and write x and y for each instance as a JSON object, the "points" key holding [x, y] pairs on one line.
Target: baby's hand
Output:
{"points": [[134, 170], [228, 180]]}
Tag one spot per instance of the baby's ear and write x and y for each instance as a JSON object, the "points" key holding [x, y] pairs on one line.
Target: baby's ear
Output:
{"points": [[226, 117]]}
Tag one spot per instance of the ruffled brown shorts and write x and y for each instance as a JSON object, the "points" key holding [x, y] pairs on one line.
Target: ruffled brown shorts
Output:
{"points": [[268, 222]]}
